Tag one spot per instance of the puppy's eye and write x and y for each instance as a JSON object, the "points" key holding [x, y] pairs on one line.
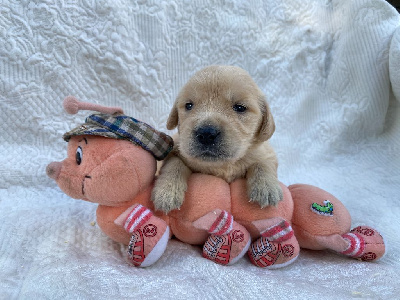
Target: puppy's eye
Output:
{"points": [[189, 106], [78, 155], [239, 108]]}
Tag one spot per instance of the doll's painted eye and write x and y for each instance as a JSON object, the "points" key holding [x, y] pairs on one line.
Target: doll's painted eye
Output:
{"points": [[78, 155], [239, 108]]}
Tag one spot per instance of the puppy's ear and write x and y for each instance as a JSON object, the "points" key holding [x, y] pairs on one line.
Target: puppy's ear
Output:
{"points": [[267, 126], [172, 121]]}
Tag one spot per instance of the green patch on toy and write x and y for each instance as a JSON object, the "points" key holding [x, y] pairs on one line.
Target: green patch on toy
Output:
{"points": [[326, 209]]}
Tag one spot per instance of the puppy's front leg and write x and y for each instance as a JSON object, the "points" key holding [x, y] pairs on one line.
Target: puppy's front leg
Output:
{"points": [[170, 187], [262, 185]]}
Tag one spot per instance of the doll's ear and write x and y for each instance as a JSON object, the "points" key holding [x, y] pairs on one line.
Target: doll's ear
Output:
{"points": [[173, 119], [72, 106], [267, 126]]}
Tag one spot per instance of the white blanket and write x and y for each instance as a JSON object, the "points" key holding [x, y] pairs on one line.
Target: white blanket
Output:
{"points": [[329, 68]]}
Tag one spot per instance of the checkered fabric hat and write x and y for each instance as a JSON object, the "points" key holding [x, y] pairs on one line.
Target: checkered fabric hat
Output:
{"points": [[157, 143]]}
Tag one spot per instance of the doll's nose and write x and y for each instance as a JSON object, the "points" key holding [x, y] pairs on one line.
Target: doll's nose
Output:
{"points": [[53, 169]]}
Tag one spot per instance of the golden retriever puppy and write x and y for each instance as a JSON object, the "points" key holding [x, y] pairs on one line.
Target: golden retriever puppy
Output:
{"points": [[224, 123]]}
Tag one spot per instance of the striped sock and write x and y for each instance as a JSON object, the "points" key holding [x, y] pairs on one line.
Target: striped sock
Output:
{"points": [[279, 232], [222, 225], [356, 245], [136, 218]]}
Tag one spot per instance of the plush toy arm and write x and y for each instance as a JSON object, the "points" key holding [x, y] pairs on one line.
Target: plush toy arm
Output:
{"points": [[170, 187], [263, 185]]}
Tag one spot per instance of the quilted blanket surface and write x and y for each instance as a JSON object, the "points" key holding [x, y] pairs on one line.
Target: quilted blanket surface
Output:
{"points": [[329, 68]]}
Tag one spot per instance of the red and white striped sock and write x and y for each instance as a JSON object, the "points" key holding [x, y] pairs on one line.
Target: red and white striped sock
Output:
{"points": [[356, 245], [222, 225], [136, 218], [279, 232]]}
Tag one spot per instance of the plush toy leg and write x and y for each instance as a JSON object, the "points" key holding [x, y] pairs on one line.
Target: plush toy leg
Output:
{"points": [[365, 243], [228, 240], [277, 247], [150, 235]]}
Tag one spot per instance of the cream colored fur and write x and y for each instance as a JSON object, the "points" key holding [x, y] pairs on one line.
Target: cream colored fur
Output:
{"points": [[214, 98]]}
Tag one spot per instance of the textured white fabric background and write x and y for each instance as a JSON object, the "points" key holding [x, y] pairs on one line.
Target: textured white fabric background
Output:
{"points": [[331, 72]]}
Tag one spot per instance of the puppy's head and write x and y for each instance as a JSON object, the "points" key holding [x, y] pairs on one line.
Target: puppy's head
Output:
{"points": [[220, 113]]}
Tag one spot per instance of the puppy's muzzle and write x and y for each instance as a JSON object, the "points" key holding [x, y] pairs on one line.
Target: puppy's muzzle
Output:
{"points": [[208, 136], [208, 144]]}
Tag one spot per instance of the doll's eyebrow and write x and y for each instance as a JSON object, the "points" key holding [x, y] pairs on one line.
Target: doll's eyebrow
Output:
{"points": [[84, 139]]}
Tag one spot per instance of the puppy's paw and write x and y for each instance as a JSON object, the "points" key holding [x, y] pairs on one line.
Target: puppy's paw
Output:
{"points": [[168, 194], [264, 190]]}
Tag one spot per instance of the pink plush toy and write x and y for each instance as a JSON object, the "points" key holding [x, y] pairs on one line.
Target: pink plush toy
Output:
{"points": [[112, 161]]}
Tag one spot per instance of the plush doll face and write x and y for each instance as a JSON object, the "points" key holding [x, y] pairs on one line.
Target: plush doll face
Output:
{"points": [[103, 170]]}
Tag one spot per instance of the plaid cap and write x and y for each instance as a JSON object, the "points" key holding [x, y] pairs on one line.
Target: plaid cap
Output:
{"points": [[123, 127]]}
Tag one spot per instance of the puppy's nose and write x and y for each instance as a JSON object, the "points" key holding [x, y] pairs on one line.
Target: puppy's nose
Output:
{"points": [[207, 135]]}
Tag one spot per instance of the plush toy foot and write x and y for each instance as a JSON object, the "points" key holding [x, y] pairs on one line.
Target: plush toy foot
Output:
{"points": [[228, 240], [364, 243], [277, 247], [150, 235]]}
